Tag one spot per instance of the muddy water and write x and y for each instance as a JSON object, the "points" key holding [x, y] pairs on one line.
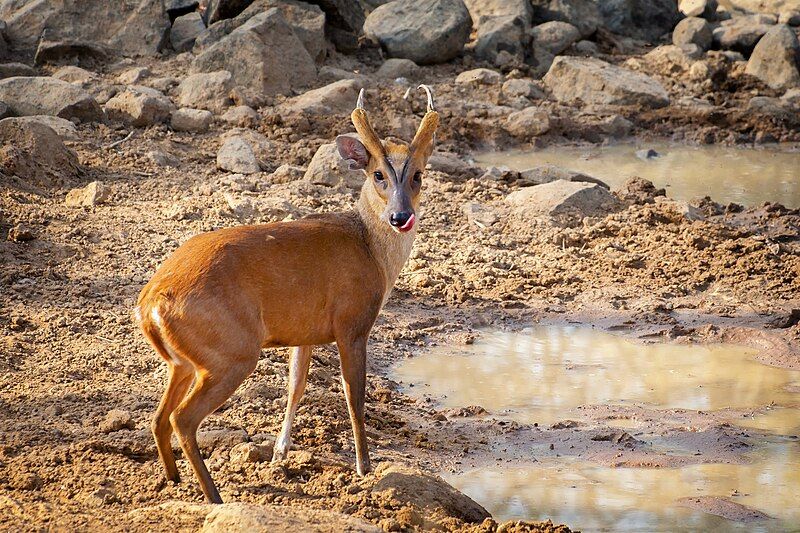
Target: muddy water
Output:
{"points": [[544, 373], [727, 174]]}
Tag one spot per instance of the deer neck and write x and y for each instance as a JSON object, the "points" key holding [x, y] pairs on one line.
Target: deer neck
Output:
{"points": [[389, 248]]}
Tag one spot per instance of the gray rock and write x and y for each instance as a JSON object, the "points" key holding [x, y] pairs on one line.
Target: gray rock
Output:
{"points": [[5, 111], [344, 20], [188, 119], [263, 55], [667, 60], [698, 8], [452, 165], [583, 14], [139, 106], [63, 127], [242, 116], [741, 33], [522, 87], [502, 34], [25, 21], [647, 20], [286, 174], [237, 155], [328, 168], [479, 214], [59, 51], [693, 30], [479, 76], [33, 152], [586, 48], [338, 97], [73, 74], [207, 90], [93, 194], [424, 31], [185, 30], [163, 159], [306, 20], [596, 82], [133, 76], [177, 8], [396, 67], [48, 96], [527, 123], [554, 36], [129, 28], [9, 70], [776, 57], [486, 9], [549, 173], [250, 452], [564, 202]]}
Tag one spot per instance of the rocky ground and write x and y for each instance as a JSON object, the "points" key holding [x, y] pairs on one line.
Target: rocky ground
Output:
{"points": [[113, 156]]}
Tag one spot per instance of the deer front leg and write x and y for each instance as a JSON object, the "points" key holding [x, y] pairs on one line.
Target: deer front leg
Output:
{"points": [[353, 356], [299, 362]]}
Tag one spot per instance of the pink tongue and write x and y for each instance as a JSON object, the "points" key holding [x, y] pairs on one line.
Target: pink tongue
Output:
{"points": [[409, 223]]}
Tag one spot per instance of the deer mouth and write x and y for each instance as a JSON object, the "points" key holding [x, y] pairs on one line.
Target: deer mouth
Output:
{"points": [[408, 225]]}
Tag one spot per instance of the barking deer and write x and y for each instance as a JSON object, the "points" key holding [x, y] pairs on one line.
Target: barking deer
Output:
{"points": [[223, 296]]}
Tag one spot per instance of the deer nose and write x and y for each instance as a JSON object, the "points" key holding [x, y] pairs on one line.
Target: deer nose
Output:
{"points": [[402, 220]]}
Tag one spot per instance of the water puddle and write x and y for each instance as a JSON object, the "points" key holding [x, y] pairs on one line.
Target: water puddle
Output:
{"points": [[728, 174], [543, 374]]}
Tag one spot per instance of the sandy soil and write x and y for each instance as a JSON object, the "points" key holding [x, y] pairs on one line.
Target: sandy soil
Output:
{"points": [[70, 353]]}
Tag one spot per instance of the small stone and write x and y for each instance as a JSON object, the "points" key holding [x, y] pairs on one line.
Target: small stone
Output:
{"points": [[396, 67], [646, 154], [522, 87], [163, 159], [115, 420], [93, 194], [133, 76], [185, 31], [187, 119], [21, 233], [206, 90], [139, 106], [250, 452], [530, 122], [328, 168], [241, 116], [479, 215], [693, 30], [73, 74], [286, 173], [236, 155], [479, 76]]}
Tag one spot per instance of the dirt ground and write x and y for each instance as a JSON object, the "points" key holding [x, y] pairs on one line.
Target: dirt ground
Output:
{"points": [[70, 353]]}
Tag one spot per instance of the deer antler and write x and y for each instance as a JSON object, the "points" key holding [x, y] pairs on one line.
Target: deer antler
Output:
{"points": [[368, 136], [426, 133]]}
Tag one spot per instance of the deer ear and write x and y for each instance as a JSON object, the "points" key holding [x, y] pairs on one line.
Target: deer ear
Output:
{"points": [[351, 150]]}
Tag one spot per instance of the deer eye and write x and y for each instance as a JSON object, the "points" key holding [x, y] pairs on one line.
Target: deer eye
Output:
{"points": [[378, 176], [417, 177]]}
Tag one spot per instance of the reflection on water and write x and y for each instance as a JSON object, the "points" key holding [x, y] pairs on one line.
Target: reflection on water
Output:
{"points": [[727, 174], [543, 373], [595, 498]]}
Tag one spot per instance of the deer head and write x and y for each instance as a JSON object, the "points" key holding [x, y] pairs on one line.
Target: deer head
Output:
{"points": [[393, 170]]}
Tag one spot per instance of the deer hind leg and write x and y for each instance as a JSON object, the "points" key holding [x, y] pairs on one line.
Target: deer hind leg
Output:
{"points": [[299, 363], [180, 378], [211, 390], [353, 356]]}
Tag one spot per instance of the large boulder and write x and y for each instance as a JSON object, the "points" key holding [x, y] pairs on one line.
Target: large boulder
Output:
{"points": [[478, 9], [583, 14], [48, 96], [130, 28], [698, 8], [528, 123], [337, 97], [641, 19], [206, 90], [775, 58], [741, 33], [139, 106], [25, 21], [555, 36], [564, 202], [237, 155], [35, 154], [596, 82], [187, 119], [185, 31], [424, 31], [9, 70], [506, 33], [263, 55], [306, 20], [344, 20], [693, 30]]}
